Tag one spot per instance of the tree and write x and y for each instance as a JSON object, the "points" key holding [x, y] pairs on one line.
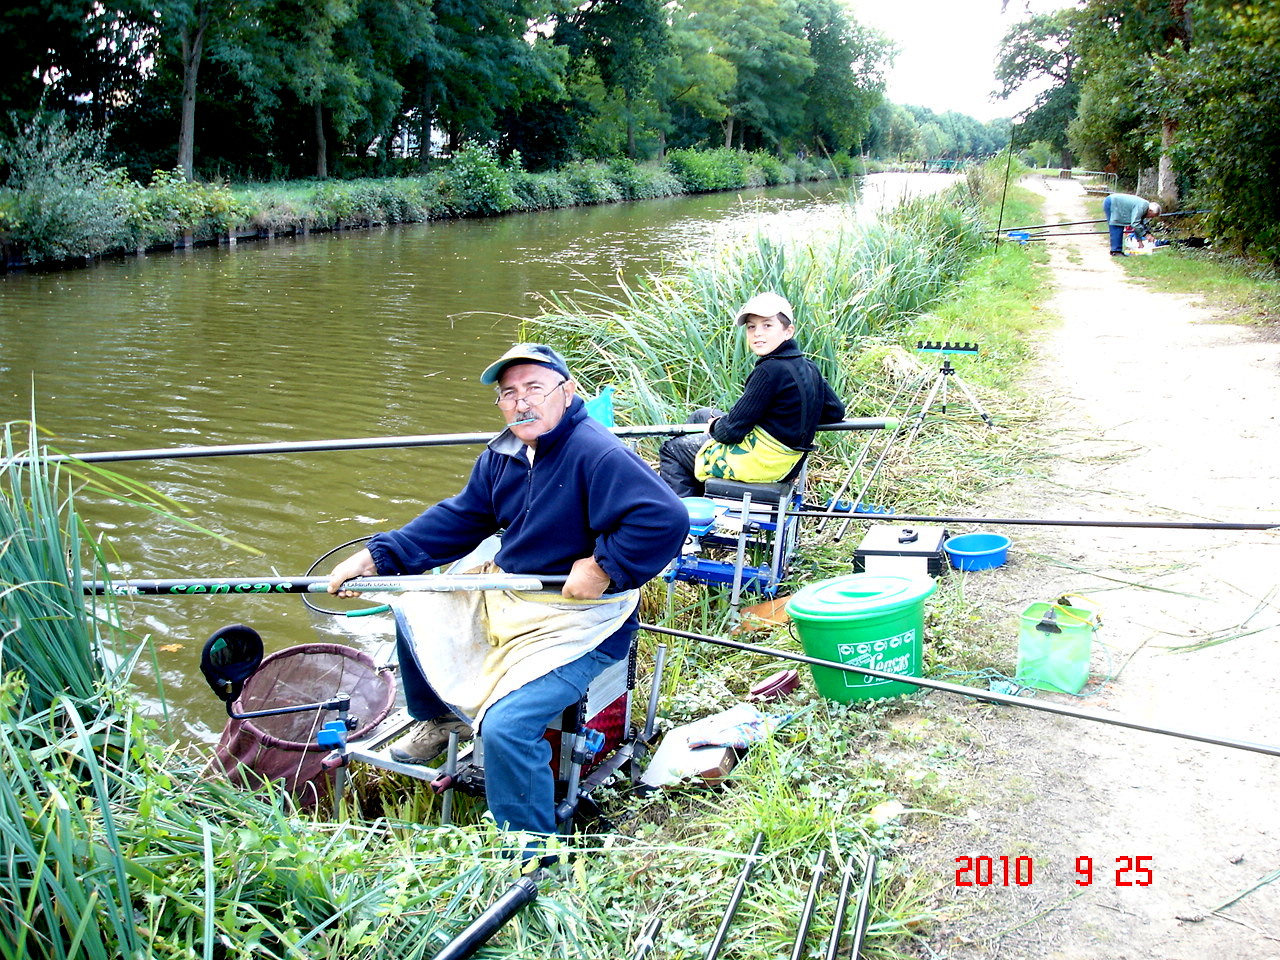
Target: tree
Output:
{"points": [[765, 42], [848, 78], [485, 58], [625, 40], [1225, 90], [691, 85], [894, 133], [379, 43], [1119, 43], [1037, 49]]}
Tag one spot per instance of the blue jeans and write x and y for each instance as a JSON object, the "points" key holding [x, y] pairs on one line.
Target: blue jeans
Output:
{"points": [[1117, 233], [519, 784]]}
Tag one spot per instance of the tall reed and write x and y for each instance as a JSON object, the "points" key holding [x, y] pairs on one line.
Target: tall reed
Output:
{"points": [[47, 631], [669, 341]]}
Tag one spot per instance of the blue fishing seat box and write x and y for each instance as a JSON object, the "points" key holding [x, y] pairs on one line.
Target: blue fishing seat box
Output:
{"points": [[901, 549]]}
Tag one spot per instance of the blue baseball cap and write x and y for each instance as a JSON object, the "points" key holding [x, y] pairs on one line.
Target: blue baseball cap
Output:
{"points": [[538, 353]]}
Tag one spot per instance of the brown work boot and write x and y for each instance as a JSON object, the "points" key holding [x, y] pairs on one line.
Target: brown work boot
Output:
{"points": [[428, 739]]}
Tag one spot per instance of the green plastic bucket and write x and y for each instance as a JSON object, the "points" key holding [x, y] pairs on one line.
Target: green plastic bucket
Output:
{"points": [[866, 620], [1055, 644]]}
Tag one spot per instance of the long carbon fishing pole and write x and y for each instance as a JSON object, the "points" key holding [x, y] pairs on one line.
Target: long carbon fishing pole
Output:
{"points": [[523, 891], [1081, 223], [864, 906], [810, 905], [735, 898], [1039, 522], [1046, 226], [430, 583], [987, 696], [842, 907], [376, 443]]}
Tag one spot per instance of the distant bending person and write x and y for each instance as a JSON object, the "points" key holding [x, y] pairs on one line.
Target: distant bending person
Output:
{"points": [[569, 499], [773, 423], [1126, 210]]}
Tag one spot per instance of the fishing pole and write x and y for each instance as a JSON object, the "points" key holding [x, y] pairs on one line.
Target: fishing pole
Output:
{"points": [[431, 583], [864, 907], [1069, 233], [735, 898], [842, 907], [810, 904], [1046, 226], [1035, 521], [1081, 223], [376, 443], [987, 696], [523, 891], [648, 938]]}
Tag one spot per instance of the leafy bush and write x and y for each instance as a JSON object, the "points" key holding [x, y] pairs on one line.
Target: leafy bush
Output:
{"points": [[477, 183], [542, 191], [702, 171], [61, 200], [772, 169], [645, 182], [591, 182], [172, 205], [1226, 91], [847, 166]]}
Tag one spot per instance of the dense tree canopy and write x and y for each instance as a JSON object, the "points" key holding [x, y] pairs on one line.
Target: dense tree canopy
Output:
{"points": [[269, 88], [1179, 98]]}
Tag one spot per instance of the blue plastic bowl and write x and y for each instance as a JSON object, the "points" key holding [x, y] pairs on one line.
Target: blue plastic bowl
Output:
{"points": [[977, 551], [702, 511]]}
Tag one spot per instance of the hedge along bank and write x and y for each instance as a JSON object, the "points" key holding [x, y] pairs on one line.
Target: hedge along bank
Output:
{"points": [[43, 217]]}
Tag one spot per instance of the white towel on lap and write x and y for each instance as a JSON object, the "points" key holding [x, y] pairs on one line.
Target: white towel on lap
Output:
{"points": [[474, 647]]}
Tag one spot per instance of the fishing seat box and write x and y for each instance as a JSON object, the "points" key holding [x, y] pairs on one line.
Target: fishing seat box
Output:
{"points": [[903, 549]]}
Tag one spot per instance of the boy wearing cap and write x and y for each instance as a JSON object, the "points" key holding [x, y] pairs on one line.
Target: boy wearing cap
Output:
{"points": [[569, 499], [772, 425]]}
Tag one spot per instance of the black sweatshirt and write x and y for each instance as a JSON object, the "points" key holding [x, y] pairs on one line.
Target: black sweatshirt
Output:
{"points": [[786, 396]]}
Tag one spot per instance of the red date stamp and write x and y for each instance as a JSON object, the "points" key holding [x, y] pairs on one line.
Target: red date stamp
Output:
{"points": [[1021, 871]]}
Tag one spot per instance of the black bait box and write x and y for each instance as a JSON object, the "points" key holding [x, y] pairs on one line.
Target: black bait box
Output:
{"points": [[901, 549]]}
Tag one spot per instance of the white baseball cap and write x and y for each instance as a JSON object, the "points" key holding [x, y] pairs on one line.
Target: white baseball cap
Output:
{"points": [[765, 305]]}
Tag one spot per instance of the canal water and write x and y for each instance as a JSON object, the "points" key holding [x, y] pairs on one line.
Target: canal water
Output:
{"points": [[359, 334]]}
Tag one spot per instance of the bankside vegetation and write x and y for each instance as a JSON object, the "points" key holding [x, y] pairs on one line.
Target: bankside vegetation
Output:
{"points": [[115, 846], [1181, 100], [64, 202]]}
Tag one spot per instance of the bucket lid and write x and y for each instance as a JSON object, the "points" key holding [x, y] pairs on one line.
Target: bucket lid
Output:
{"points": [[859, 595]]}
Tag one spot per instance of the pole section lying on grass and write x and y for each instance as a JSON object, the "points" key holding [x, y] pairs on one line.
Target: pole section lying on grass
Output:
{"points": [[864, 906], [431, 583], [520, 893], [985, 695], [375, 443], [735, 898]]}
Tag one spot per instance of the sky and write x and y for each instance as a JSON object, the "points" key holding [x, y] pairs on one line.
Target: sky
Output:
{"points": [[948, 51]]}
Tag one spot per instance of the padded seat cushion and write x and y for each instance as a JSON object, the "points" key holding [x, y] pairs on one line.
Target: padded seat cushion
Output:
{"points": [[760, 492]]}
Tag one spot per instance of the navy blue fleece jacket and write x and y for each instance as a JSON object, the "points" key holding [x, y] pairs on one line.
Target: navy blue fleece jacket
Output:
{"points": [[786, 396], [584, 495]]}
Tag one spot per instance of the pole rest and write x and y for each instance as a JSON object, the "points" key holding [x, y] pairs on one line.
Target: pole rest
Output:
{"points": [[592, 743], [947, 347], [334, 736], [845, 506]]}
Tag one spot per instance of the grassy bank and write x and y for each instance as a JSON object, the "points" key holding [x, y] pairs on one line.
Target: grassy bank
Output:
{"points": [[61, 205], [115, 847]]}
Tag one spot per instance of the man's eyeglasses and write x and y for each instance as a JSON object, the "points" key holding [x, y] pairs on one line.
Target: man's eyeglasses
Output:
{"points": [[535, 396]]}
